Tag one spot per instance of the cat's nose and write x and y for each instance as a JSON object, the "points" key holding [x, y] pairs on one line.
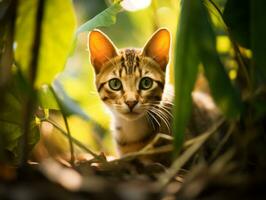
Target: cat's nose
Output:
{"points": [[131, 104]]}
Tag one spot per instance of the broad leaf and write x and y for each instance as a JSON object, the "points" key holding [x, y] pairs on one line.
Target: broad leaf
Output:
{"points": [[103, 19], [11, 121], [57, 35], [67, 105], [55, 97]]}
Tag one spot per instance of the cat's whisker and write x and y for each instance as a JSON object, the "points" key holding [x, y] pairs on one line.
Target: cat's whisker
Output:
{"points": [[162, 116], [159, 105], [167, 117], [157, 114], [150, 121], [166, 107], [154, 117], [165, 110], [156, 106]]}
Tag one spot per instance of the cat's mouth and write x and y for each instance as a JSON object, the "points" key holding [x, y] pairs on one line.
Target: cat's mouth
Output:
{"points": [[132, 115]]}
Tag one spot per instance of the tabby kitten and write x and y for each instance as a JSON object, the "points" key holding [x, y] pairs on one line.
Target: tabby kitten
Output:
{"points": [[131, 82]]}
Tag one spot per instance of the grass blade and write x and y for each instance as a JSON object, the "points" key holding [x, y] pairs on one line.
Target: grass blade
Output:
{"points": [[186, 67]]}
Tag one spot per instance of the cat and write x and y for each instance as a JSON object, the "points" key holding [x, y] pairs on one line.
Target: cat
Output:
{"points": [[132, 84]]}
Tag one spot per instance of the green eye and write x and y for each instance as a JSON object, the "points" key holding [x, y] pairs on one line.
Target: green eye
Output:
{"points": [[145, 83], [115, 84]]}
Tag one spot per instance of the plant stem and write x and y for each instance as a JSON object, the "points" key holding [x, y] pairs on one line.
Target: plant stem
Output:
{"points": [[185, 157], [158, 150], [238, 54], [31, 97], [72, 155], [75, 141]]}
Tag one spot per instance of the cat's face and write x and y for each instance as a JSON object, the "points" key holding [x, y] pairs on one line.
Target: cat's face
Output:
{"points": [[130, 81]]}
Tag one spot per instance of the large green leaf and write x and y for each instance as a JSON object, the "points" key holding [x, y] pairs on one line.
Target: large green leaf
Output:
{"points": [[237, 17], [55, 97], [258, 40], [186, 66], [57, 34], [11, 120], [225, 95], [68, 106], [105, 18]]}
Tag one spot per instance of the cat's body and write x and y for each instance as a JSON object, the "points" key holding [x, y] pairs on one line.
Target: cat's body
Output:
{"points": [[131, 83]]}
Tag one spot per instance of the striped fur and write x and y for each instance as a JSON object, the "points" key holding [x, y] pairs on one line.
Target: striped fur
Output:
{"points": [[130, 66], [132, 129]]}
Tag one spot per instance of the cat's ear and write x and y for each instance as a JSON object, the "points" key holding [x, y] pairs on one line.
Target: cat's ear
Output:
{"points": [[158, 47], [101, 49]]}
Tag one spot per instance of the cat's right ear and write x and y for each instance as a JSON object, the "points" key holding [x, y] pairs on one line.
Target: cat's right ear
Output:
{"points": [[101, 49], [158, 47]]}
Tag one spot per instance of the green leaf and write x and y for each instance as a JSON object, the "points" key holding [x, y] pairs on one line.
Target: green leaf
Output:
{"points": [[11, 120], [67, 105], [225, 95], [258, 40], [57, 28], [50, 96], [46, 98], [103, 19], [55, 97], [186, 67], [237, 17], [11, 135], [195, 43]]}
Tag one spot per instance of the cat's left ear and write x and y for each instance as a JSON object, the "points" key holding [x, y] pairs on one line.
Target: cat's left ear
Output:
{"points": [[158, 47], [101, 49]]}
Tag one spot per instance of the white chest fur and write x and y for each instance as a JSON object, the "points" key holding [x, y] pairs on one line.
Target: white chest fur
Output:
{"points": [[129, 131]]}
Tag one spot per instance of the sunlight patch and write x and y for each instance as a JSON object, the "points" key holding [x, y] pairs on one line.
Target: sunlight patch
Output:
{"points": [[134, 5]]}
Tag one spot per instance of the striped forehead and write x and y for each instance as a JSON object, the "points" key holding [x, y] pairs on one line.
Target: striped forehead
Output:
{"points": [[129, 64]]}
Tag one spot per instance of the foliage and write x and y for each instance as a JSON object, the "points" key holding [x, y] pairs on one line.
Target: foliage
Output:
{"points": [[35, 41], [105, 18], [186, 62], [11, 120], [57, 27], [196, 44], [53, 49], [57, 34], [239, 23]]}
